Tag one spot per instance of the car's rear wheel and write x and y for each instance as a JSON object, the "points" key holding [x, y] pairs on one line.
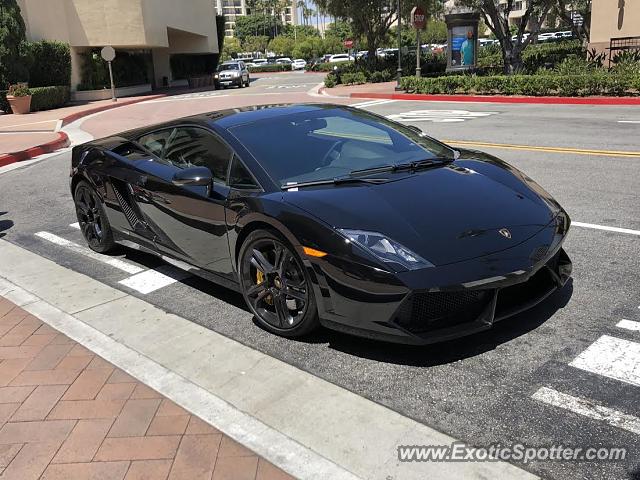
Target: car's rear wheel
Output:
{"points": [[276, 286], [92, 219]]}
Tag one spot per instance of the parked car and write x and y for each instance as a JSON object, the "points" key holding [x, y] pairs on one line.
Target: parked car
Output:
{"points": [[232, 73], [545, 37], [299, 64], [336, 231], [340, 57], [260, 62]]}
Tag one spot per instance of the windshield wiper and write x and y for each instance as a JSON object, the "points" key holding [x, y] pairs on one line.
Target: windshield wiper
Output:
{"points": [[414, 165], [334, 181]]}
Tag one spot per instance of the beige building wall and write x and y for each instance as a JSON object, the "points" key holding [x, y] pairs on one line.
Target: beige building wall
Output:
{"points": [[163, 26], [611, 19]]}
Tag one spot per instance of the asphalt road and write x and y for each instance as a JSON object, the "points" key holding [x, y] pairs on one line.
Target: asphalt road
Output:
{"points": [[478, 389]]}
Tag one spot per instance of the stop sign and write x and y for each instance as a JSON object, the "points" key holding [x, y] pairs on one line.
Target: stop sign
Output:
{"points": [[418, 18], [348, 44]]}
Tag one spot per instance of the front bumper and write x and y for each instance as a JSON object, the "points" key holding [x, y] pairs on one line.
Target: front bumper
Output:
{"points": [[442, 303]]}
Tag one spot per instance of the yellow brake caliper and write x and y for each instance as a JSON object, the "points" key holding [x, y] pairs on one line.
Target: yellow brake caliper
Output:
{"points": [[259, 280]]}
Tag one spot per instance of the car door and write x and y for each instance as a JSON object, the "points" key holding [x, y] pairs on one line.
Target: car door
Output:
{"points": [[191, 219]]}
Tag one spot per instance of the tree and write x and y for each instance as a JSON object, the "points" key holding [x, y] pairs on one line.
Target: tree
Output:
{"points": [[256, 25], [340, 29], [231, 48], [13, 65], [564, 9], [496, 17], [255, 44], [299, 31], [371, 18], [310, 47], [282, 45]]}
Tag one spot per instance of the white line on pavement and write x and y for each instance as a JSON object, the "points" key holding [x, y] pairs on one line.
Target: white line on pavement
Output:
{"points": [[604, 227], [628, 121], [612, 357], [371, 103], [588, 409], [74, 247], [629, 325], [152, 280], [75, 225]]}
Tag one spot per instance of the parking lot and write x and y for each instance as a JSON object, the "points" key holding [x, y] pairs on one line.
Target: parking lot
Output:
{"points": [[566, 372]]}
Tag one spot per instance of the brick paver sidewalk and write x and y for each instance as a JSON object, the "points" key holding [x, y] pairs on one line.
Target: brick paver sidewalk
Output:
{"points": [[65, 413]]}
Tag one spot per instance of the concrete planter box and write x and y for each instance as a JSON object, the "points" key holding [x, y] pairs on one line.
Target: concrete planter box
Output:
{"points": [[105, 93], [19, 105]]}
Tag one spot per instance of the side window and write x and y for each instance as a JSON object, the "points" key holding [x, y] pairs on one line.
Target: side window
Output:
{"points": [[196, 147], [239, 176], [155, 142]]}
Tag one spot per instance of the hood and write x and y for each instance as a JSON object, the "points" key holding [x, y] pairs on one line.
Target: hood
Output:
{"points": [[446, 214]]}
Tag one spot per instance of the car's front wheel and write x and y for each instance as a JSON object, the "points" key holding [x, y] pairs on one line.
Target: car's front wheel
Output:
{"points": [[276, 286], [92, 219]]}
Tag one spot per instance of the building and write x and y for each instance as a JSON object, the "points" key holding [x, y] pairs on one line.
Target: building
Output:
{"points": [[159, 27], [232, 9], [611, 19]]}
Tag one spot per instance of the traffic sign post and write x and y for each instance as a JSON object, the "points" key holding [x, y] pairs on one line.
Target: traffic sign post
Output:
{"points": [[419, 21], [108, 54]]}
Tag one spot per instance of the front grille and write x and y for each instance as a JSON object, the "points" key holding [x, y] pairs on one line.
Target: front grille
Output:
{"points": [[425, 311]]}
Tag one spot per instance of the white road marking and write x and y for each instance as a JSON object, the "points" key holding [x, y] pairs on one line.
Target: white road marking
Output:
{"points": [[612, 357], [629, 325], [371, 103], [152, 280], [438, 116], [604, 227], [589, 409], [628, 121], [75, 225], [74, 247]]}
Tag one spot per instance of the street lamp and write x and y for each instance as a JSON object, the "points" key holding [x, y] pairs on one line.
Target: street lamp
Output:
{"points": [[399, 47]]}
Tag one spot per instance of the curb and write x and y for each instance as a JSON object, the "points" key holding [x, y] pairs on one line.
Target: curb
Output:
{"points": [[60, 142], [501, 99], [63, 140]]}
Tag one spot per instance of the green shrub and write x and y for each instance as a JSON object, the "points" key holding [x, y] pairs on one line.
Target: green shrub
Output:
{"points": [[19, 90], [132, 68], [595, 83], [330, 80], [357, 78], [50, 63], [379, 77], [534, 56], [328, 67], [271, 67], [4, 105], [47, 98]]}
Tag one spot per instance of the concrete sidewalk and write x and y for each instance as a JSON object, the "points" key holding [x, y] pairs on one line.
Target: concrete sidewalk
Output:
{"points": [[66, 413]]}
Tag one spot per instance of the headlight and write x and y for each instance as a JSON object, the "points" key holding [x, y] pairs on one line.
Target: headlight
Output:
{"points": [[216, 75], [387, 250]]}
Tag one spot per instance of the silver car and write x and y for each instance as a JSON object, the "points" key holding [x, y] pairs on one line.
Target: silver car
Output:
{"points": [[232, 73]]}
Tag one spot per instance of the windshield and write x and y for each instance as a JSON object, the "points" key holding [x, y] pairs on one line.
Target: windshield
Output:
{"points": [[333, 142], [228, 66]]}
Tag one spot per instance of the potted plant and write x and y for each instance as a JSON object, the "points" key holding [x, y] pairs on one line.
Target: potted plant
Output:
{"points": [[19, 98]]}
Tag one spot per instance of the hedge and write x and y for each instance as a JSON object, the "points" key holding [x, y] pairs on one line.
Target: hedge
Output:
{"points": [[50, 63], [328, 67], [599, 83], [46, 98], [271, 67], [4, 105], [534, 56]]}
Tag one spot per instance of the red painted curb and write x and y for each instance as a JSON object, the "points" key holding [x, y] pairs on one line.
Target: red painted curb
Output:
{"points": [[75, 116], [502, 99], [60, 142], [63, 140]]}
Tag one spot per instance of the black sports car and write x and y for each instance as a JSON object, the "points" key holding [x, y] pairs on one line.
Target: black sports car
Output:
{"points": [[325, 214]]}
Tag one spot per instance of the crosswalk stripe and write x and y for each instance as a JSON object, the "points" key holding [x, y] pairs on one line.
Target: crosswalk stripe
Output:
{"points": [[612, 357], [589, 409], [629, 325], [75, 225], [74, 247], [371, 103], [152, 280]]}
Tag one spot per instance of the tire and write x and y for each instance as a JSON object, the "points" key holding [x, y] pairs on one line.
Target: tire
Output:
{"points": [[92, 218], [276, 286]]}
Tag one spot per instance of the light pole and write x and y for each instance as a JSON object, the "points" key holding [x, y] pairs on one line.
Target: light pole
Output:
{"points": [[399, 47]]}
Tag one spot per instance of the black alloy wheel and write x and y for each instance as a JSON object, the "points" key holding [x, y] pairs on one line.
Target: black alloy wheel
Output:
{"points": [[93, 221], [276, 286]]}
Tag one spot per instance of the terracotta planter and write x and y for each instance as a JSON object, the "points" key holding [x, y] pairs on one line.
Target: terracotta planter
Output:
{"points": [[19, 105]]}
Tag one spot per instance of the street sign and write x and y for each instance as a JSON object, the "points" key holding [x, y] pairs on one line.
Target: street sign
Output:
{"points": [[348, 43], [418, 18], [108, 54]]}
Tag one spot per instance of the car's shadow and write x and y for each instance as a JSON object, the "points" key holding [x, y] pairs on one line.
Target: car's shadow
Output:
{"points": [[5, 225], [423, 356]]}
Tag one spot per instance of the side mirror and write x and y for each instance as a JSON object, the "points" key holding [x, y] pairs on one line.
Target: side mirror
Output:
{"points": [[415, 129], [196, 176]]}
